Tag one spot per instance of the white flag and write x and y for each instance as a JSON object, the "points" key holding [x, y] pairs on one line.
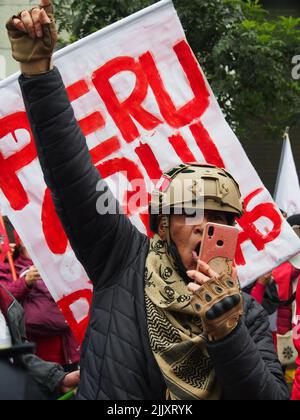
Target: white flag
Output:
{"points": [[287, 194]]}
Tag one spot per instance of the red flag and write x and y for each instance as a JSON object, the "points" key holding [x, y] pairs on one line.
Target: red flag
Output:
{"points": [[4, 242]]}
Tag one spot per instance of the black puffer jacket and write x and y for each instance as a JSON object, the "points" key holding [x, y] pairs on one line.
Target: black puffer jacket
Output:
{"points": [[117, 362]]}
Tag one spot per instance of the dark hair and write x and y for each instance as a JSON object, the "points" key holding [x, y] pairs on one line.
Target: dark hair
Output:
{"points": [[11, 237], [230, 219], [9, 229]]}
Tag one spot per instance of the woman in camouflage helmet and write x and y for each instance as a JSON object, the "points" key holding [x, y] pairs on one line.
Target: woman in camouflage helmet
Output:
{"points": [[145, 340]]}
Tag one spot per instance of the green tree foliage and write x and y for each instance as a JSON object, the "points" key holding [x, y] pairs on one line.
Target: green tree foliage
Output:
{"points": [[245, 54]]}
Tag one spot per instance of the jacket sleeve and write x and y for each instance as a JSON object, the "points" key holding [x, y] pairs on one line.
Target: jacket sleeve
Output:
{"points": [[246, 362], [48, 376], [18, 289], [101, 241]]}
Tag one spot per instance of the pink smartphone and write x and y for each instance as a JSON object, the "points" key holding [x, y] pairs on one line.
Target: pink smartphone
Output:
{"points": [[218, 247]]}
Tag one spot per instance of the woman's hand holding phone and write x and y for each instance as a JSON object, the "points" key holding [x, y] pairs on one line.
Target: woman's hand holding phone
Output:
{"points": [[217, 300], [217, 295]]}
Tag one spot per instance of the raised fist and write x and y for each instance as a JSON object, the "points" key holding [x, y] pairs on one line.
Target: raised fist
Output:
{"points": [[33, 36]]}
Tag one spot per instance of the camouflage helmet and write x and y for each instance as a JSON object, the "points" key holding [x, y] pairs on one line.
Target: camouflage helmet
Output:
{"points": [[195, 186]]}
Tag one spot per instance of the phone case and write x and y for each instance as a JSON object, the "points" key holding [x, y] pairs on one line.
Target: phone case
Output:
{"points": [[218, 247]]}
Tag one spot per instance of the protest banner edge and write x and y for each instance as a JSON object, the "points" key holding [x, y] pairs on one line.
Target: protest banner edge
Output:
{"points": [[104, 31]]}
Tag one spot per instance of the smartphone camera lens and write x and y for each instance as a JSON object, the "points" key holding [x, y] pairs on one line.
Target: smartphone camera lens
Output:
{"points": [[211, 231]]}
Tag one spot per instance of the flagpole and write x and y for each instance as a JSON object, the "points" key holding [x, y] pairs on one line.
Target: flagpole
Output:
{"points": [[9, 256], [12, 266]]}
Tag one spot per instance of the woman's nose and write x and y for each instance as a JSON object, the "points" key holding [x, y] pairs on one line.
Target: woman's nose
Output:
{"points": [[198, 229]]}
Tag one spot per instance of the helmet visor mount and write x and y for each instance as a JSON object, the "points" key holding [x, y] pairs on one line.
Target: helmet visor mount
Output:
{"points": [[184, 198]]}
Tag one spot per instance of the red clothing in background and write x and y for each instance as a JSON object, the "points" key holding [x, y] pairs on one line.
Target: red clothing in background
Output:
{"points": [[296, 388], [45, 324], [21, 263], [258, 292], [51, 349], [283, 276]]}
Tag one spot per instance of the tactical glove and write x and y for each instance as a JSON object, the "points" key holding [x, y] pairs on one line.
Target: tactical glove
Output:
{"points": [[34, 55], [219, 303]]}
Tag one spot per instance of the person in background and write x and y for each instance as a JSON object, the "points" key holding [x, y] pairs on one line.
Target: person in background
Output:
{"points": [[286, 278], [45, 324], [296, 387], [295, 221], [277, 289], [19, 259], [23, 375], [259, 290]]}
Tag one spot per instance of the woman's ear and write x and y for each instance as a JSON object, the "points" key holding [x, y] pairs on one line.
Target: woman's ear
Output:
{"points": [[163, 226]]}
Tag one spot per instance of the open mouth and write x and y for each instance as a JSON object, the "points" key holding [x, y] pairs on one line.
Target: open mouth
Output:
{"points": [[197, 249]]}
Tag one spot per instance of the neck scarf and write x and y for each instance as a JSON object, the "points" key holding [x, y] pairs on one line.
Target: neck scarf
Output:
{"points": [[175, 330]]}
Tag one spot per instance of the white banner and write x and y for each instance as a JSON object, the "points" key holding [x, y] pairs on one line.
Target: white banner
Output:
{"points": [[144, 106], [287, 194]]}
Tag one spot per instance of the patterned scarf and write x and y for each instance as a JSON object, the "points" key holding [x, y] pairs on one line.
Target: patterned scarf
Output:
{"points": [[175, 331]]}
